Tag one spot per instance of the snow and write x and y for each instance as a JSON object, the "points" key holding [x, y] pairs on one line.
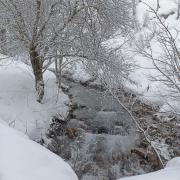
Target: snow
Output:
{"points": [[152, 92], [21, 118], [167, 7], [23, 159], [79, 74], [18, 102], [170, 172], [174, 162], [157, 92]]}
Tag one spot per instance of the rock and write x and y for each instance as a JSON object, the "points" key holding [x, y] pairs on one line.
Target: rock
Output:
{"points": [[65, 88], [71, 133], [102, 130], [176, 151], [169, 141], [163, 117], [152, 157], [140, 151]]}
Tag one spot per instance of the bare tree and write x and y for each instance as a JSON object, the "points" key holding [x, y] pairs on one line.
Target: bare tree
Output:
{"points": [[167, 63], [73, 28]]}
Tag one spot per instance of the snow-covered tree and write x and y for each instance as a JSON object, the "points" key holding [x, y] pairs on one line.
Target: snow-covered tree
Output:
{"points": [[166, 59], [73, 28]]}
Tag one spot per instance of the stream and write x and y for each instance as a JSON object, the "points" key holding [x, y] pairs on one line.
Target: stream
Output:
{"points": [[98, 136]]}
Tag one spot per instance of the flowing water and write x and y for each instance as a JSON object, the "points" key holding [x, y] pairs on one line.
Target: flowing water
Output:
{"points": [[97, 137]]}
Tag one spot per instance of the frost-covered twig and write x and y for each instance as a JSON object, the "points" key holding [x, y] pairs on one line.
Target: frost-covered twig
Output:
{"points": [[137, 124]]}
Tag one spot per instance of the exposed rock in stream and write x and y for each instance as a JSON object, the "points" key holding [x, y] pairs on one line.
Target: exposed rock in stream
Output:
{"points": [[98, 137]]}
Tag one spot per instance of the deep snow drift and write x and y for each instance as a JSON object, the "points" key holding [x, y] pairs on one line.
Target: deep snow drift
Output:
{"points": [[23, 159]]}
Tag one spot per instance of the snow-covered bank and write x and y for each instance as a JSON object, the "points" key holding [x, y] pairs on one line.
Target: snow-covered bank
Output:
{"points": [[145, 86], [18, 102], [171, 172], [23, 159]]}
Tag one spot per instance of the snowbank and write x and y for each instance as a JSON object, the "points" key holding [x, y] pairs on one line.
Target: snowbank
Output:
{"points": [[171, 172], [18, 106], [23, 159]]}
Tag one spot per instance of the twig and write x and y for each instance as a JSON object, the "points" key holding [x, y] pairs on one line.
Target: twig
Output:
{"points": [[137, 124]]}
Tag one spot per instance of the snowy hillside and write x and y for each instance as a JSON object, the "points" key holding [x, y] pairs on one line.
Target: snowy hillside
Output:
{"points": [[149, 90], [154, 91], [23, 159]]}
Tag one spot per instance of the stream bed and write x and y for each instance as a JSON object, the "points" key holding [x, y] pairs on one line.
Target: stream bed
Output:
{"points": [[97, 137]]}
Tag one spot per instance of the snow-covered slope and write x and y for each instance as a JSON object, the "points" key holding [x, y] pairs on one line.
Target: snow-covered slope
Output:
{"points": [[18, 106], [154, 91], [23, 159], [171, 172]]}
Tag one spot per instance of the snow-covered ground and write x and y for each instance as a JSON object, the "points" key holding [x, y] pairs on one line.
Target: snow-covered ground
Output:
{"points": [[18, 106], [170, 172], [20, 157], [23, 159], [153, 92]]}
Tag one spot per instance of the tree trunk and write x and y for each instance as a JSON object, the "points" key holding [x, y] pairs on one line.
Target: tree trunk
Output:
{"points": [[158, 5], [134, 3], [3, 43], [38, 74], [58, 69], [134, 7], [178, 11]]}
